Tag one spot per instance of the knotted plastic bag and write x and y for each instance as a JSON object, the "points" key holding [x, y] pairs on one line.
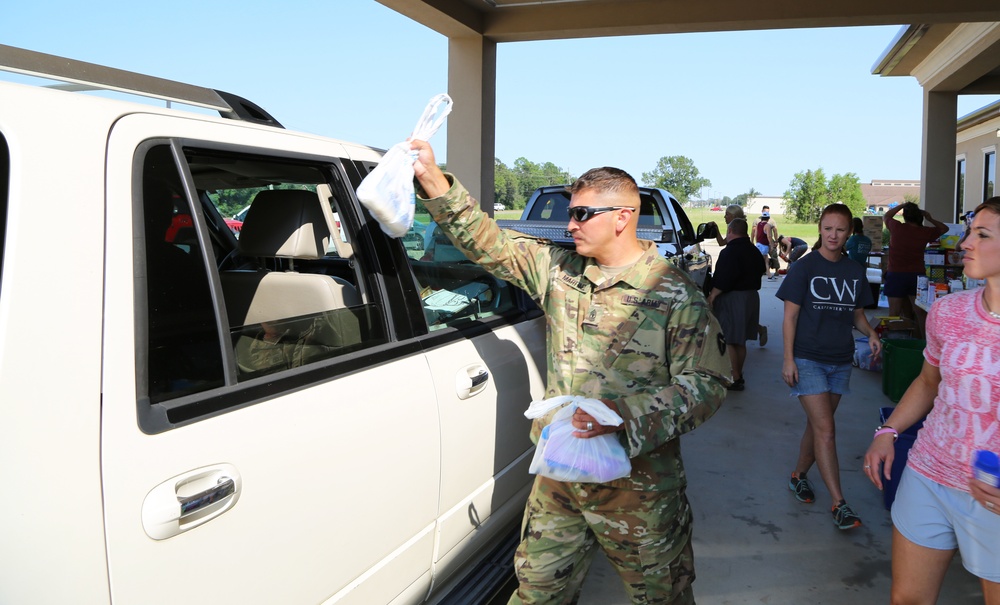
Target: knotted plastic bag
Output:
{"points": [[562, 456], [387, 191]]}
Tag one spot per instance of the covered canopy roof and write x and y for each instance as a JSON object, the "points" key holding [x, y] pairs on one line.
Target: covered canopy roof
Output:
{"points": [[520, 20]]}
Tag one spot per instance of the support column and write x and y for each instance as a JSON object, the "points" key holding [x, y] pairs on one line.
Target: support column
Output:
{"points": [[472, 70], [937, 162]]}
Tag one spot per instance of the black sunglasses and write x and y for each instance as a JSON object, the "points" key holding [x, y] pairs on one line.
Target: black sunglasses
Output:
{"points": [[585, 213]]}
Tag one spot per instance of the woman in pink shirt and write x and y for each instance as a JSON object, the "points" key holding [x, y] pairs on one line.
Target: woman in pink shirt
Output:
{"points": [[939, 506]]}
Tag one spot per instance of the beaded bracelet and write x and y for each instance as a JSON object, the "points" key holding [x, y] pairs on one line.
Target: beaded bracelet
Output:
{"points": [[883, 429]]}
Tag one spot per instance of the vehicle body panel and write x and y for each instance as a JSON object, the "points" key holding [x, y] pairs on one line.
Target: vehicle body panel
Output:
{"points": [[50, 428], [374, 481]]}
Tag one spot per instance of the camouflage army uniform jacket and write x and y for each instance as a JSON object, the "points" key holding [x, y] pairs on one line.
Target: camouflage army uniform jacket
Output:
{"points": [[646, 340]]}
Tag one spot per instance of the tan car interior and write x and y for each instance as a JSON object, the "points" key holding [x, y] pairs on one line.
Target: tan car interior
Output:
{"points": [[286, 318]]}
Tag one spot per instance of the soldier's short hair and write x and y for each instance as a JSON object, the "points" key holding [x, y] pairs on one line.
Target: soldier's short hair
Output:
{"points": [[606, 180], [735, 211]]}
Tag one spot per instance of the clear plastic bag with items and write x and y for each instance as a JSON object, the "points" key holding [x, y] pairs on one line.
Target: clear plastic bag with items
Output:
{"points": [[863, 357], [563, 456], [387, 192]]}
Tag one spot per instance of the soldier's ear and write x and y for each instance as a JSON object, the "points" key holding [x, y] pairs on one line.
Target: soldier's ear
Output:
{"points": [[624, 216]]}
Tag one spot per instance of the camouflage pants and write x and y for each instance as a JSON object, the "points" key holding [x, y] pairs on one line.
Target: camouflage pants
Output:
{"points": [[645, 535]]}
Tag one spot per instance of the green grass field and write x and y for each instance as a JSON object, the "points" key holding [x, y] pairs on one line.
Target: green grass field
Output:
{"points": [[806, 231]]}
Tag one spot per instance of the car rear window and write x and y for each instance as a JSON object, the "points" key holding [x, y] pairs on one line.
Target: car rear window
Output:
{"points": [[553, 207], [550, 207], [223, 307]]}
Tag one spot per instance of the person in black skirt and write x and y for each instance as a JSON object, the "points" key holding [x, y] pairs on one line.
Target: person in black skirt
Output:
{"points": [[735, 297]]}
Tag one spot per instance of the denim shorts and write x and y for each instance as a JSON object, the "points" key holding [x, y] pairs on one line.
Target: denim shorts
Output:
{"points": [[816, 378], [943, 518]]}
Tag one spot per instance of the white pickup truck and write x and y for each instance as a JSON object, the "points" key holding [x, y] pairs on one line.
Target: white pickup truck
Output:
{"points": [[304, 414]]}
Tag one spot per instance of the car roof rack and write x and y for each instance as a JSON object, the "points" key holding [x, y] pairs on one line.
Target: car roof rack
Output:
{"points": [[98, 77]]}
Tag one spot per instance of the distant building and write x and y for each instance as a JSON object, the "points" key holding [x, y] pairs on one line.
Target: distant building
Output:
{"points": [[777, 205], [976, 141], [880, 195]]}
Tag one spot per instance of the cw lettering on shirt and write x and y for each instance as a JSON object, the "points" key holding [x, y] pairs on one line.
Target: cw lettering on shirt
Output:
{"points": [[825, 288]]}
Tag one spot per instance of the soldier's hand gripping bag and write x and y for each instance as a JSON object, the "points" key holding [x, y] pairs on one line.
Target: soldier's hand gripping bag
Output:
{"points": [[563, 456]]}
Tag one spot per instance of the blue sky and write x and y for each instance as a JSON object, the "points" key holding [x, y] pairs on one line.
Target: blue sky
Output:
{"points": [[750, 108]]}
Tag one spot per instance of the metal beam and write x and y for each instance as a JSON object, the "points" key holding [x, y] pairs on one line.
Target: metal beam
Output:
{"points": [[603, 18]]}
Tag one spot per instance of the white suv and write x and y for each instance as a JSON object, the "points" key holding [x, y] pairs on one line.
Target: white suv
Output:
{"points": [[306, 414]]}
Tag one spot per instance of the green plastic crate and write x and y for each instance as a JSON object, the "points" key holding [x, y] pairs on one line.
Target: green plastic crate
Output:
{"points": [[902, 359]]}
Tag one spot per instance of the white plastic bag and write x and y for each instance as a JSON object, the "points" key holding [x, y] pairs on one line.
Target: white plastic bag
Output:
{"points": [[387, 191], [562, 456]]}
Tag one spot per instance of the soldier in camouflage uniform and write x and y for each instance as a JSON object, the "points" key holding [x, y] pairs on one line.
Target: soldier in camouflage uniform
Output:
{"points": [[625, 326]]}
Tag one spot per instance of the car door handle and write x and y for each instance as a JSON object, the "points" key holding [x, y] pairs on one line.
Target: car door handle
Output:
{"points": [[471, 380], [480, 378], [191, 499], [225, 487]]}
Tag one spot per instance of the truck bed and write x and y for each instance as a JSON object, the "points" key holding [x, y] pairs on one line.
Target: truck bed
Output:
{"points": [[556, 230]]}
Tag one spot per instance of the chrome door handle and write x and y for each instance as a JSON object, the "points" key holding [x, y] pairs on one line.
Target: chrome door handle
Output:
{"points": [[224, 488], [471, 380], [480, 378], [188, 500]]}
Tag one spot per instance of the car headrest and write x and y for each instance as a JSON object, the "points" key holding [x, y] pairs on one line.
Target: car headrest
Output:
{"points": [[287, 223]]}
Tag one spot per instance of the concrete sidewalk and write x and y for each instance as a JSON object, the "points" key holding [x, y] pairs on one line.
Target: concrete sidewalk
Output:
{"points": [[753, 541]]}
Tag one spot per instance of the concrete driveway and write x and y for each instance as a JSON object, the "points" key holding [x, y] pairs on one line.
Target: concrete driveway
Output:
{"points": [[754, 542]]}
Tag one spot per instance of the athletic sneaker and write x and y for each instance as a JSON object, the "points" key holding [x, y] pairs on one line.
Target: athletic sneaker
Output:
{"points": [[844, 517], [802, 489], [762, 334]]}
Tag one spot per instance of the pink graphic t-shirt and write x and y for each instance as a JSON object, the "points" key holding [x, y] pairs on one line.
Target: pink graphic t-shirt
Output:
{"points": [[963, 341]]}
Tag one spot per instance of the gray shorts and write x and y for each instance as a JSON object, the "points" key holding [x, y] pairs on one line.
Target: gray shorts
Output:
{"points": [[943, 518], [738, 312]]}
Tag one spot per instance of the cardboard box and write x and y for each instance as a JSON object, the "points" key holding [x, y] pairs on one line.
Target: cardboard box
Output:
{"points": [[934, 257], [873, 230], [950, 239], [895, 327]]}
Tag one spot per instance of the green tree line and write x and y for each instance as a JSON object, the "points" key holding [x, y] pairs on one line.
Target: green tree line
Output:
{"points": [[810, 191], [807, 193], [514, 184]]}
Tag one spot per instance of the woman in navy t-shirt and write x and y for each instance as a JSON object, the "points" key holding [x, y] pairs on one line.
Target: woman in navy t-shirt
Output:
{"points": [[825, 294]]}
